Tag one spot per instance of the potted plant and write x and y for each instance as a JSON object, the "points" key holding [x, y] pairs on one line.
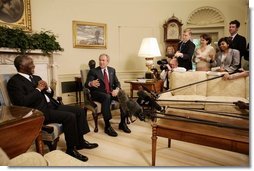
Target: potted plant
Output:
{"points": [[16, 38]]}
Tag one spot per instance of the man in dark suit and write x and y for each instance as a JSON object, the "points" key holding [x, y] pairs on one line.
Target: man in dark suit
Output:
{"points": [[185, 50], [238, 41], [104, 86], [26, 89]]}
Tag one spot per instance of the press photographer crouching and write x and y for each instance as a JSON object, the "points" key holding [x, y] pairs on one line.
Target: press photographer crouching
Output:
{"points": [[171, 65], [166, 67]]}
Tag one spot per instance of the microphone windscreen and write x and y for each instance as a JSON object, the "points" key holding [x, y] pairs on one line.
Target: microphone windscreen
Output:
{"points": [[152, 103], [143, 95], [151, 92]]}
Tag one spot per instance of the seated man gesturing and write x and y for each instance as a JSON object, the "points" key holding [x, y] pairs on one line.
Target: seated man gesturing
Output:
{"points": [[104, 86]]}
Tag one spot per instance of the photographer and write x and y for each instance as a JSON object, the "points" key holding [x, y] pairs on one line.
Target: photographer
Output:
{"points": [[167, 67]]}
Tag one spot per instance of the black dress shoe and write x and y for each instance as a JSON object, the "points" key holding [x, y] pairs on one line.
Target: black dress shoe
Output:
{"points": [[86, 144], [124, 127], [74, 153], [110, 131]]}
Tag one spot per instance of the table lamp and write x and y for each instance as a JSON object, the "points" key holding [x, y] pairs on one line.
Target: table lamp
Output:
{"points": [[149, 49]]}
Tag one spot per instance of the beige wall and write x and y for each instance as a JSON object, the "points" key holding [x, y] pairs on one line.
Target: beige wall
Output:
{"points": [[128, 21]]}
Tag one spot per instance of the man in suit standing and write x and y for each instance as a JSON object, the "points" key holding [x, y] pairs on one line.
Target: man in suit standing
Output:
{"points": [[185, 50], [26, 89], [238, 41], [104, 86]]}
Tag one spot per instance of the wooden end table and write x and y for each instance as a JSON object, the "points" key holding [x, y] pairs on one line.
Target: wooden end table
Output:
{"points": [[19, 128], [152, 85]]}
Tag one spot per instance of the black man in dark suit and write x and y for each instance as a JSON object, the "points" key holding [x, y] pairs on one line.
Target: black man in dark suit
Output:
{"points": [[26, 89]]}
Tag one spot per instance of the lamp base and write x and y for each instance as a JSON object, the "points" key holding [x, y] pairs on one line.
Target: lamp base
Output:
{"points": [[149, 75]]}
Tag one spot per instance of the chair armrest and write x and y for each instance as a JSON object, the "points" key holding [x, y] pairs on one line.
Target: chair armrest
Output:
{"points": [[60, 100], [88, 102]]}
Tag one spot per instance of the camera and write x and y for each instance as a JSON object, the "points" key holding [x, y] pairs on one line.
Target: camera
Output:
{"points": [[163, 64]]}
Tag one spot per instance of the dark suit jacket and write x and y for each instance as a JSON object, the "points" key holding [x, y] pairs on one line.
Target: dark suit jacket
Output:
{"points": [[96, 73], [23, 92], [239, 43], [187, 49]]}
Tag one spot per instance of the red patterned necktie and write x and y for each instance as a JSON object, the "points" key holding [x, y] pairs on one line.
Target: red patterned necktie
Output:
{"points": [[106, 81]]}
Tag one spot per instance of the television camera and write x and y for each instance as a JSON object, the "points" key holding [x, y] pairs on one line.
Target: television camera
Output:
{"points": [[163, 64]]}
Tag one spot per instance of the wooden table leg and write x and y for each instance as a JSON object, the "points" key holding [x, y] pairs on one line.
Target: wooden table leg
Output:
{"points": [[154, 143], [39, 144], [131, 88], [169, 143], [76, 97], [153, 88], [79, 99]]}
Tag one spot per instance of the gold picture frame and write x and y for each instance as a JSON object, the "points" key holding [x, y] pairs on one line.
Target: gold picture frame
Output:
{"points": [[16, 13], [89, 35]]}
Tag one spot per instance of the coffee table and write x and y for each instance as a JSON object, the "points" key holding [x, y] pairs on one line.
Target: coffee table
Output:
{"points": [[231, 139]]}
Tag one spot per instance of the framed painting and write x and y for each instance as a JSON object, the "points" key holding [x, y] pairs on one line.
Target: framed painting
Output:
{"points": [[89, 35], [16, 13]]}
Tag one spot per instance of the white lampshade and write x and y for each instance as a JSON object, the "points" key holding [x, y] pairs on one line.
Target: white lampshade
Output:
{"points": [[149, 48]]}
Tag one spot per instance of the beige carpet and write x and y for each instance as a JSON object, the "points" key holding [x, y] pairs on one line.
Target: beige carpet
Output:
{"points": [[135, 149]]}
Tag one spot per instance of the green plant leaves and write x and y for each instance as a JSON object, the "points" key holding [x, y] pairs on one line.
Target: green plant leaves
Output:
{"points": [[24, 42]]}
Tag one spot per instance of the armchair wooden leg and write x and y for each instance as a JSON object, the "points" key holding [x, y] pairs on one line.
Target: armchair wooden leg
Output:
{"points": [[95, 118]]}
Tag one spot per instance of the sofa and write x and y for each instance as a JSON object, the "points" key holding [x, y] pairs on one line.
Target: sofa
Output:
{"points": [[216, 95]]}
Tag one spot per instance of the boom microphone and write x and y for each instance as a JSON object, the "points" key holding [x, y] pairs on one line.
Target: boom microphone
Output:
{"points": [[151, 102], [151, 92]]}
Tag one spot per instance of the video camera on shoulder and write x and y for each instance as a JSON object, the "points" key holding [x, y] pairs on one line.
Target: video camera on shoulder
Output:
{"points": [[163, 64]]}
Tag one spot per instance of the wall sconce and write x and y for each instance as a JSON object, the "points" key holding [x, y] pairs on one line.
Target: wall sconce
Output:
{"points": [[149, 49]]}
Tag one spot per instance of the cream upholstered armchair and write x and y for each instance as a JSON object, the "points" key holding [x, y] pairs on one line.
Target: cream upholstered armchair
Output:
{"points": [[53, 158], [50, 132]]}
